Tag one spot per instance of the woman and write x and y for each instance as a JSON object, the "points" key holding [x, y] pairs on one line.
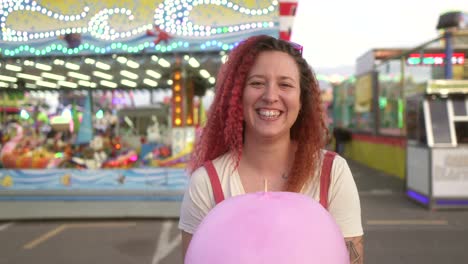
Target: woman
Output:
{"points": [[266, 125]]}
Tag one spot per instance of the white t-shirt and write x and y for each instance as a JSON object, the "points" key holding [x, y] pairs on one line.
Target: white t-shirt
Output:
{"points": [[343, 198]]}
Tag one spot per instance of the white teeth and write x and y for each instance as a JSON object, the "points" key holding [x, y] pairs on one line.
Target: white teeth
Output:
{"points": [[269, 113]]}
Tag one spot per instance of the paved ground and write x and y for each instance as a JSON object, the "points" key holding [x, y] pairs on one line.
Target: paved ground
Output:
{"points": [[396, 231]]}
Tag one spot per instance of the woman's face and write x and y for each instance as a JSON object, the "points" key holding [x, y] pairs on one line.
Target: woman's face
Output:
{"points": [[271, 96]]}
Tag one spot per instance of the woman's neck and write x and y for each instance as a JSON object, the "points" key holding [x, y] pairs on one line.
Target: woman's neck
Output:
{"points": [[271, 157]]}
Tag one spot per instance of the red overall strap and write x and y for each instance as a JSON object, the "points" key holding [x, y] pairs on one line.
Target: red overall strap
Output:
{"points": [[214, 179], [325, 177]]}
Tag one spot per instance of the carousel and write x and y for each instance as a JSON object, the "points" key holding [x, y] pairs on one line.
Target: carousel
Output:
{"points": [[111, 98]]}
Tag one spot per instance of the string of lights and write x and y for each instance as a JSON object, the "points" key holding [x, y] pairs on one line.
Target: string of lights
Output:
{"points": [[170, 17]]}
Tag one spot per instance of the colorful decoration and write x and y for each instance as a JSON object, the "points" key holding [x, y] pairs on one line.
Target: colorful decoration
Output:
{"points": [[178, 99], [73, 40], [25, 158], [176, 161], [179, 12], [23, 151], [99, 28], [121, 179], [152, 132], [79, 179], [11, 144], [162, 35], [269, 227], [7, 181], [66, 180], [125, 160]]}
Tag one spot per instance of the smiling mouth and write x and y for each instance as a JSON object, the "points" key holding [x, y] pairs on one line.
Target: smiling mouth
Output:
{"points": [[269, 114]]}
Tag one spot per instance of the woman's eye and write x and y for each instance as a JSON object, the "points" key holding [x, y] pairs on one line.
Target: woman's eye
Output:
{"points": [[287, 85], [256, 83]]}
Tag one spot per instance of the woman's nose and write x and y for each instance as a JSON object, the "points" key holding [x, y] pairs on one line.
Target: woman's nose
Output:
{"points": [[270, 94]]}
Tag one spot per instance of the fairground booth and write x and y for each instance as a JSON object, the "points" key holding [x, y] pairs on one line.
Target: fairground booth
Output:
{"points": [[101, 101], [407, 112]]}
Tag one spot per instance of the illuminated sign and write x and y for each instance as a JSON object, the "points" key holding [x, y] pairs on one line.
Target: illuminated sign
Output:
{"points": [[447, 86], [434, 59]]}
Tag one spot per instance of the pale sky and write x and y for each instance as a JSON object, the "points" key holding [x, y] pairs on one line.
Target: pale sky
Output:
{"points": [[335, 33]]}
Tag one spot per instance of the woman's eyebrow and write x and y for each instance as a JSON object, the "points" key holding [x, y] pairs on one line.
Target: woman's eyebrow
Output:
{"points": [[281, 78], [287, 78], [255, 76]]}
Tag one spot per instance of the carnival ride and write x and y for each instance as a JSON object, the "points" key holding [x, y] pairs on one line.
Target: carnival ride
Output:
{"points": [[96, 56]]}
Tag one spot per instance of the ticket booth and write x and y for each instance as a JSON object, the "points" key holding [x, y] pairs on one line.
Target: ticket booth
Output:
{"points": [[437, 146]]}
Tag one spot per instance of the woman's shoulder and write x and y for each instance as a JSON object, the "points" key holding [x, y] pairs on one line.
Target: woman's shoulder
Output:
{"points": [[224, 165], [340, 171], [338, 160], [221, 163]]}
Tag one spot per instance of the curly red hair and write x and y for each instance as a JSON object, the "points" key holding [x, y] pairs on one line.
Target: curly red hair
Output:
{"points": [[223, 131]]}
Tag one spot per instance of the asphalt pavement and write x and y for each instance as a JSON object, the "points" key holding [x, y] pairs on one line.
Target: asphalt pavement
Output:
{"points": [[399, 230]]}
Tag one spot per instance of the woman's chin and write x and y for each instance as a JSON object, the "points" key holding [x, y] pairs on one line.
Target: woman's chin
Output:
{"points": [[270, 134]]}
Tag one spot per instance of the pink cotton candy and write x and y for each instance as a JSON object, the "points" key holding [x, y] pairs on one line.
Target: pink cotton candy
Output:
{"points": [[270, 228]]}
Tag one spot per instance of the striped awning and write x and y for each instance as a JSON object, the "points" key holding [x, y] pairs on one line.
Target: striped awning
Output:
{"points": [[287, 10]]}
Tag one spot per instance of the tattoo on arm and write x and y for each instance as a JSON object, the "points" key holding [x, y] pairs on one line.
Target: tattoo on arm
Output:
{"points": [[355, 248]]}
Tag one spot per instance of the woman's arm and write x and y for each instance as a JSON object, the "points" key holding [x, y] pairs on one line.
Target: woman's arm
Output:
{"points": [[186, 238], [355, 246], [197, 202]]}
